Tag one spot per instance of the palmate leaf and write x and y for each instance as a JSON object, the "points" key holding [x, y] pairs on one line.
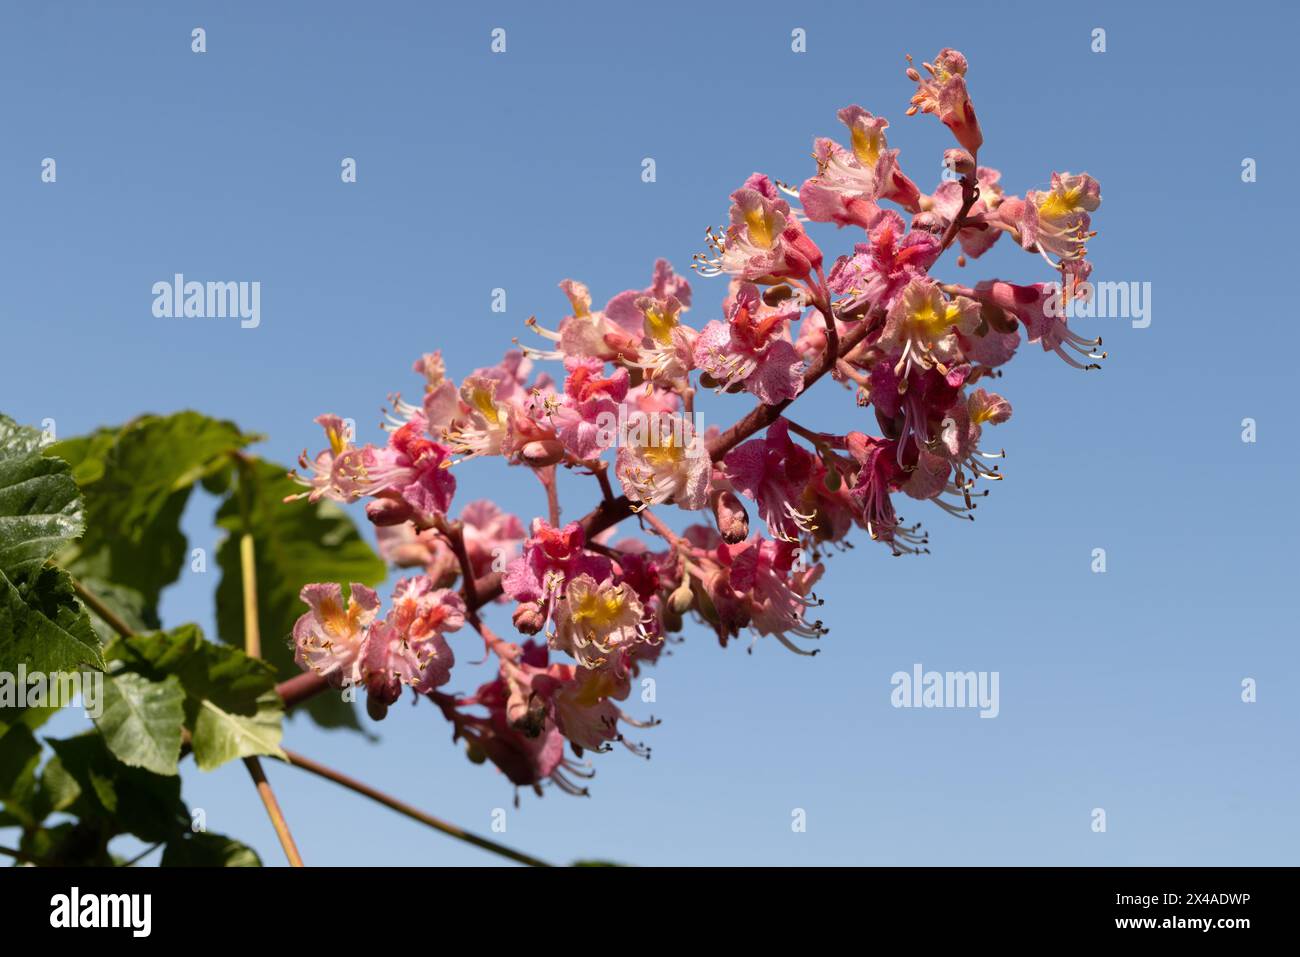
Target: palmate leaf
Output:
{"points": [[294, 543], [42, 625], [141, 721], [136, 481], [230, 701]]}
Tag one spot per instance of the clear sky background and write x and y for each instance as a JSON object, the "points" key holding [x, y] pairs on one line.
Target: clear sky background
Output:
{"points": [[1119, 690]]}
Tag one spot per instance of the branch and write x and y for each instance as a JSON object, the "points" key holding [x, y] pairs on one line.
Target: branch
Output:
{"points": [[969, 193], [96, 604], [22, 856], [142, 855], [602, 476], [253, 647], [401, 807], [273, 811], [546, 475], [252, 633]]}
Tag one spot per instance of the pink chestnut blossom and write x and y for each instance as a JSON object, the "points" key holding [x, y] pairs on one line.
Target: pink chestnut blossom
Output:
{"points": [[590, 399], [663, 460], [526, 757], [492, 537], [879, 269], [923, 325], [978, 238], [774, 472], [408, 647], [668, 349], [764, 242], [913, 351], [777, 592], [615, 332], [411, 468], [1032, 306], [597, 619], [752, 348], [943, 93], [330, 638], [1057, 221], [496, 414], [348, 646], [849, 183], [441, 399], [551, 556]]}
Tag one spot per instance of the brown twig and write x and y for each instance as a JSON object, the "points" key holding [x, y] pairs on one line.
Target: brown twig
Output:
{"points": [[969, 193], [546, 475], [273, 811], [22, 856], [248, 569], [96, 604], [253, 647], [602, 476]]}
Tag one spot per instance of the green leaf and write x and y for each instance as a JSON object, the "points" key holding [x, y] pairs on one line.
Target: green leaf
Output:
{"points": [[20, 756], [60, 787], [208, 850], [114, 798], [230, 701], [221, 735], [141, 721], [40, 505], [79, 844], [294, 543], [136, 481], [43, 626]]}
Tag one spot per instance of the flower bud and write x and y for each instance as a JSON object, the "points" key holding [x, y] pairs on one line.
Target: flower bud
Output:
{"points": [[891, 426], [998, 318], [672, 621], [388, 511], [732, 519], [706, 607], [928, 223], [775, 295], [681, 598], [542, 453], [528, 618], [527, 717], [959, 161], [376, 707]]}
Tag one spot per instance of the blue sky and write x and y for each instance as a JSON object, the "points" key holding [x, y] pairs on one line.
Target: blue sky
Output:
{"points": [[476, 171]]}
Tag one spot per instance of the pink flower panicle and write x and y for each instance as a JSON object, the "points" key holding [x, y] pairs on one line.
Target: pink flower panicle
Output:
{"points": [[592, 612]]}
